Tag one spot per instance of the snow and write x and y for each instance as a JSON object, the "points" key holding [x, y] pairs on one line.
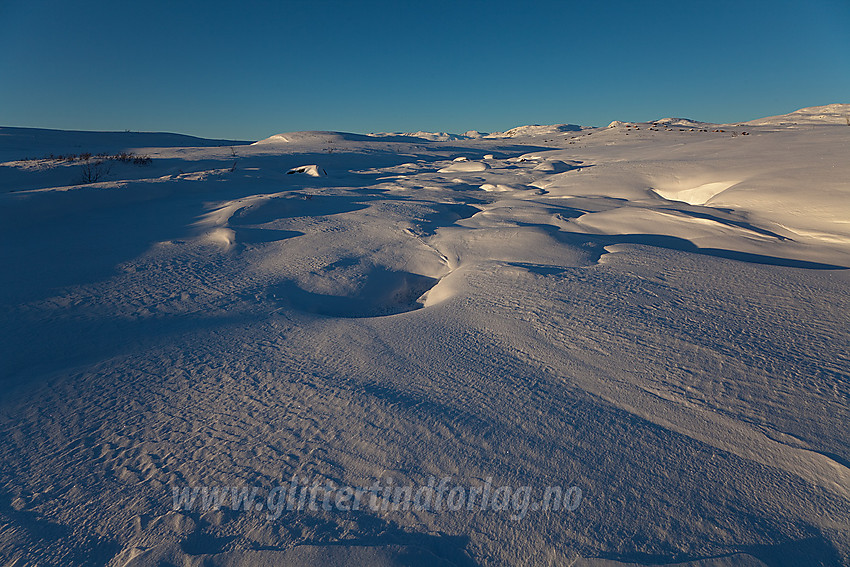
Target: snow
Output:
{"points": [[656, 315], [462, 165]]}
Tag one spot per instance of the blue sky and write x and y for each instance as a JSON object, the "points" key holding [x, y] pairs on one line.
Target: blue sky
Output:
{"points": [[246, 70]]}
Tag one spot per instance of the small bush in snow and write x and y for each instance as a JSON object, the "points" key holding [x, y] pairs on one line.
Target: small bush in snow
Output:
{"points": [[93, 171]]}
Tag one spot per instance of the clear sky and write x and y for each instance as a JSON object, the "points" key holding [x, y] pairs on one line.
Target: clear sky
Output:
{"points": [[247, 70]]}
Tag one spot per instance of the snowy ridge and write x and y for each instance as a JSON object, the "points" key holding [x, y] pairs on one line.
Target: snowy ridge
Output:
{"points": [[813, 115]]}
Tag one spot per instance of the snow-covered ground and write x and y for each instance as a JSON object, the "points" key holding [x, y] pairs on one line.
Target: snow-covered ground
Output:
{"points": [[654, 314]]}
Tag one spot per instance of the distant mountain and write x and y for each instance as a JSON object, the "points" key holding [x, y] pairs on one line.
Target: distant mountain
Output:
{"points": [[536, 130], [18, 143]]}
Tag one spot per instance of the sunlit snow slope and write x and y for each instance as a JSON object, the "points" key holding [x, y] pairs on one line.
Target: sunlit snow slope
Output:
{"points": [[656, 313]]}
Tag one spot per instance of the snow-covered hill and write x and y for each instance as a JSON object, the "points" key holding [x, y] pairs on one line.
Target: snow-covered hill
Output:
{"points": [[648, 321], [814, 115], [535, 130]]}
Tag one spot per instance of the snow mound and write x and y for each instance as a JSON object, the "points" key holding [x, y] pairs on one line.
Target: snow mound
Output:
{"points": [[465, 167], [223, 236], [827, 114], [311, 170], [505, 187], [698, 194], [556, 166]]}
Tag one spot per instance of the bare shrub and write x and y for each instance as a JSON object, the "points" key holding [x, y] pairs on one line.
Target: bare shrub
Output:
{"points": [[93, 171]]}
